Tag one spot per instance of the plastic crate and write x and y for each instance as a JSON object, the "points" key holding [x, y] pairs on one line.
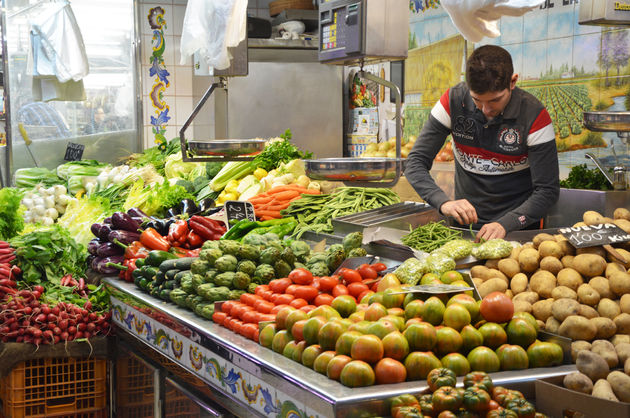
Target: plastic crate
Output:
{"points": [[52, 387], [134, 384], [178, 405], [134, 411]]}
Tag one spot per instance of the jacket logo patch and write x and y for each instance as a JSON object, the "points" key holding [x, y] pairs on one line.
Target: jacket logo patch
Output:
{"points": [[509, 139], [464, 128]]}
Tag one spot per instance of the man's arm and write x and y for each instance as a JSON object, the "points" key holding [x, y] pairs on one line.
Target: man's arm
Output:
{"points": [[428, 144], [543, 164]]}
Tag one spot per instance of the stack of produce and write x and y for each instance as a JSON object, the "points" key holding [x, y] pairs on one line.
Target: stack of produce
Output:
{"points": [[430, 236], [478, 397], [245, 227], [268, 205], [45, 205], [315, 212], [388, 148], [582, 294]]}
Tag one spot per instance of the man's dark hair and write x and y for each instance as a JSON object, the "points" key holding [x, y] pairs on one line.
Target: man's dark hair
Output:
{"points": [[489, 69]]}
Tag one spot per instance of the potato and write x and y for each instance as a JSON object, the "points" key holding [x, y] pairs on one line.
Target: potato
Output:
{"points": [[492, 285], [522, 306], [552, 325], [621, 213], [626, 367], [515, 252], [603, 390], [482, 272], [577, 328], [541, 324], [614, 267], [624, 303], [623, 224], [542, 309], [620, 339], [579, 382], [592, 217], [565, 245], [543, 283], [591, 364], [563, 308], [623, 323], [531, 297], [509, 267], [587, 295], [624, 254], [509, 294], [577, 346], [528, 260], [589, 265], [608, 220], [623, 352], [619, 283], [519, 283], [497, 274], [477, 281], [608, 308], [588, 312], [550, 249], [567, 261], [563, 292], [551, 264], [528, 245], [540, 238], [570, 278], [491, 264], [578, 224], [592, 250], [606, 328], [620, 384], [605, 349], [601, 286]]}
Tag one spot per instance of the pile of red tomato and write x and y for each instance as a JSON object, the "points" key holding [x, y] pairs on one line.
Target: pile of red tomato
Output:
{"points": [[301, 291]]}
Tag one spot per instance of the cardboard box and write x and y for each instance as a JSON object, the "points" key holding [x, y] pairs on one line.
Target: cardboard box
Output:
{"points": [[356, 139], [556, 401], [356, 150], [363, 121]]}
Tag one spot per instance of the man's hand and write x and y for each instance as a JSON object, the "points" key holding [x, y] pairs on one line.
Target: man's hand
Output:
{"points": [[463, 212], [490, 231]]}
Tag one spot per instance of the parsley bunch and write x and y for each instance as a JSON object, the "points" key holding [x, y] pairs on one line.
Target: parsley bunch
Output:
{"points": [[580, 177], [279, 152], [11, 221]]}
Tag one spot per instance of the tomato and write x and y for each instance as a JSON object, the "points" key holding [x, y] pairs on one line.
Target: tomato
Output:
{"points": [[274, 297], [261, 288], [249, 331], [512, 357], [265, 337], [521, 332], [326, 283], [388, 370], [497, 307], [336, 365], [237, 326], [301, 276], [315, 283], [340, 290], [476, 399], [284, 299], [355, 289], [297, 330], [249, 299], [395, 346], [357, 373], [441, 377], [544, 354], [279, 285], [522, 408], [378, 266], [264, 306], [266, 295], [367, 272], [308, 293], [479, 378], [350, 276], [420, 363], [501, 413], [446, 398], [250, 317], [277, 309], [219, 317], [228, 304], [298, 303], [290, 290], [323, 299], [238, 310], [266, 317], [307, 308], [366, 294]]}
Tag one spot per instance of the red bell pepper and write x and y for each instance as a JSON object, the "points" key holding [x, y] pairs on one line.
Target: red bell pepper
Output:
{"points": [[136, 250], [177, 231], [152, 239], [194, 240]]}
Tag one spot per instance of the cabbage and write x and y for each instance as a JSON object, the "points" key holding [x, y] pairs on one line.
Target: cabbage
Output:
{"points": [[176, 168], [31, 177], [81, 213], [80, 168]]}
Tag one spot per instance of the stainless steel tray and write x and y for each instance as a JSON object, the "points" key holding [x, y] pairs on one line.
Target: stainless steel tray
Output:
{"points": [[401, 215], [607, 121], [353, 169], [227, 147]]}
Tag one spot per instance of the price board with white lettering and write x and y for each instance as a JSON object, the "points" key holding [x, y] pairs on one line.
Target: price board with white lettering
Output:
{"points": [[594, 235], [74, 152], [237, 210]]}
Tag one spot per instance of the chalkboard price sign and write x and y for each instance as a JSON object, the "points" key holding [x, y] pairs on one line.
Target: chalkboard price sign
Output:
{"points": [[237, 210], [74, 152], [594, 235]]}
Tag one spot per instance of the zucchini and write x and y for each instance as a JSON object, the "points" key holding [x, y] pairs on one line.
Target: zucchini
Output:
{"points": [[167, 265], [169, 284], [184, 263], [159, 277], [179, 276], [170, 274]]}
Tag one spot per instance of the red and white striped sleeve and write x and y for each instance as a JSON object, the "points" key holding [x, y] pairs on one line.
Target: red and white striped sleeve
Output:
{"points": [[442, 110], [541, 130]]}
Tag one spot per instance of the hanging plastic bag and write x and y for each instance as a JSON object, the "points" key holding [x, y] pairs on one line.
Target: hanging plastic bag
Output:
{"points": [[476, 19], [210, 27]]}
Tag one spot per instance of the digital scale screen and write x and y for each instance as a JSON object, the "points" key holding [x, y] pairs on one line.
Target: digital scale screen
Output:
{"points": [[341, 29]]}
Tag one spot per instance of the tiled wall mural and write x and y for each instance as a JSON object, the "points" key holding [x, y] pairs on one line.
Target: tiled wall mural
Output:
{"points": [[570, 67]]}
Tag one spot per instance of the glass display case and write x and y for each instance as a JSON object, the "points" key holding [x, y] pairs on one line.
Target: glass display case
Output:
{"points": [[70, 74]]}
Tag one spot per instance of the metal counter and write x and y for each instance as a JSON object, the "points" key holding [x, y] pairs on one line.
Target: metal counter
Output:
{"points": [[253, 380]]}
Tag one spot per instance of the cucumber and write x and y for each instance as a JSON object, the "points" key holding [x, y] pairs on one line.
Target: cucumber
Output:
{"points": [[170, 274], [179, 276], [184, 263], [167, 265], [159, 277], [169, 284]]}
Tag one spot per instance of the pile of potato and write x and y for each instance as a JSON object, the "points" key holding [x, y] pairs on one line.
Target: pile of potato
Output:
{"points": [[595, 362], [582, 294]]}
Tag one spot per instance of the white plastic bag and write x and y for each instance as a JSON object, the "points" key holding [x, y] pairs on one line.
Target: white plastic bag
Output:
{"points": [[476, 19], [210, 27]]}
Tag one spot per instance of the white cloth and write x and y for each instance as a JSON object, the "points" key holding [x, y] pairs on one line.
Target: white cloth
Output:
{"points": [[210, 27], [58, 48], [476, 19]]}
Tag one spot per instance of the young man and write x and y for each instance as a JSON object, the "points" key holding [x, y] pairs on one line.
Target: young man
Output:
{"points": [[506, 162]]}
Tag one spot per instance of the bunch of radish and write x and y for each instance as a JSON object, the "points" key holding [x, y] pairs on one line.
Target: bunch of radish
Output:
{"points": [[8, 273]]}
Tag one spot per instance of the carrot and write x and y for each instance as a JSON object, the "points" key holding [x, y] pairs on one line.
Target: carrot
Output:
{"points": [[286, 195], [271, 213], [277, 207], [284, 188], [258, 200]]}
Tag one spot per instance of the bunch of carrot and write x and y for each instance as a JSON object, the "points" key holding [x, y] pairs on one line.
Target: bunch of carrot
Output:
{"points": [[268, 205]]}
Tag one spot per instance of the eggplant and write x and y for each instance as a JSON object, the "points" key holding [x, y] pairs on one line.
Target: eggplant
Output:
{"points": [[103, 233], [93, 246], [124, 237], [108, 249], [172, 212], [206, 204], [100, 264], [188, 206], [96, 229], [137, 213], [121, 220], [160, 225], [108, 220]]}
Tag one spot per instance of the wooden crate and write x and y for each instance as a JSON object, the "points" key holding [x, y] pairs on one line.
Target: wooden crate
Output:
{"points": [[278, 6]]}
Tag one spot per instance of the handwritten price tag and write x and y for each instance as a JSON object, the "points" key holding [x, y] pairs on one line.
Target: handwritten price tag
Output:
{"points": [[74, 152], [594, 235], [237, 210]]}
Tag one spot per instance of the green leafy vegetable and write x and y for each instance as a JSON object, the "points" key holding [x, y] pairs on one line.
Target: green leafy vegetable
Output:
{"points": [[157, 199], [580, 177], [279, 151], [155, 156], [81, 213], [11, 221], [32, 176], [49, 254]]}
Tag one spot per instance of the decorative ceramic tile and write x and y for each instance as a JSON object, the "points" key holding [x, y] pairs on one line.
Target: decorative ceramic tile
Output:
{"points": [[158, 72]]}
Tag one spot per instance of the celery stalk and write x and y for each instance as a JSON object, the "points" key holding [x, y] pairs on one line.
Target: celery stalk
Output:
{"points": [[233, 170]]}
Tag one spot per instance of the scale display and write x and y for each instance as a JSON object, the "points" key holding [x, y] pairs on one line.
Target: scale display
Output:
{"points": [[341, 30]]}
